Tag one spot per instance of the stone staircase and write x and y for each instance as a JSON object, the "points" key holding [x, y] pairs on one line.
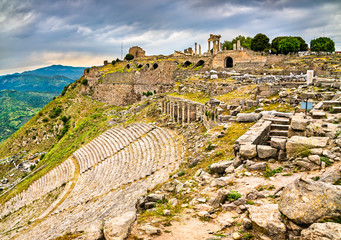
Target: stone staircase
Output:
{"points": [[279, 125]]}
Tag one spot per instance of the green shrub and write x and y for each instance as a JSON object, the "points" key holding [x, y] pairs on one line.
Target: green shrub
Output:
{"points": [[113, 62], [233, 196], [326, 161], [270, 172], [32, 167], [316, 178], [55, 112], [46, 119], [129, 57], [85, 81], [147, 94], [181, 173]]}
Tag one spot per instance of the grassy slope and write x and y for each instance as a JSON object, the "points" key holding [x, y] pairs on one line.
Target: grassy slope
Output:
{"points": [[16, 108], [88, 119]]}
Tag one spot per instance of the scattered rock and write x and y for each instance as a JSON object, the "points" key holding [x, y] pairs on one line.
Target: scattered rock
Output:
{"points": [[248, 151], [315, 159], [248, 117], [267, 219], [236, 235], [117, 228], [166, 212], [278, 143], [324, 231], [297, 143], [220, 167], [307, 201], [257, 166], [330, 176], [266, 151], [150, 230]]}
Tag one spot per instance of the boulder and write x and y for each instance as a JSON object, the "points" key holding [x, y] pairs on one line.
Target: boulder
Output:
{"points": [[298, 143], [220, 167], [92, 236], [315, 159], [155, 197], [299, 123], [248, 117], [267, 219], [257, 167], [150, 230], [118, 227], [323, 231], [248, 151], [278, 143], [264, 151], [307, 201], [330, 176]]}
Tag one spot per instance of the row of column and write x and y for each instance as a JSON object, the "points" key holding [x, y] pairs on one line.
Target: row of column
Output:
{"points": [[182, 111]]}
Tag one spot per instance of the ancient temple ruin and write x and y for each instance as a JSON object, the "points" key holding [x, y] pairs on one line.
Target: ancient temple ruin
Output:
{"points": [[137, 52], [215, 39]]}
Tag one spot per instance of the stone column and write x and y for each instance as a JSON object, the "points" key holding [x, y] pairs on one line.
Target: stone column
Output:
{"points": [[234, 46], [176, 112], [199, 50], [179, 111], [310, 75], [218, 45], [209, 47], [195, 47], [189, 112], [221, 47], [238, 44], [183, 112], [192, 113]]}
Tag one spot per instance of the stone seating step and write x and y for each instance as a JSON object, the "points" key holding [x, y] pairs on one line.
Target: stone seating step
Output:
{"points": [[336, 109], [274, 120], [278, 133], [279, 127]]}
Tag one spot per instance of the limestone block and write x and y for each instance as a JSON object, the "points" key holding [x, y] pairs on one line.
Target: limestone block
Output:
{"points": [[330, 176], [299, 123], [267, 219], [297, 143], [220, 167], [308, 201], [278, 143], [118, 227], [325, 231], [248, 117], [264, 151], [248, 151], [315, 159]]}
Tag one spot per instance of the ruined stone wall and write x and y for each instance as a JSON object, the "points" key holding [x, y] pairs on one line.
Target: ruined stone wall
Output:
{"points": [[125, 88]]}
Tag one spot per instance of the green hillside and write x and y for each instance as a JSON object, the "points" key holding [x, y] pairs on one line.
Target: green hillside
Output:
{"points": [[16, 108]]}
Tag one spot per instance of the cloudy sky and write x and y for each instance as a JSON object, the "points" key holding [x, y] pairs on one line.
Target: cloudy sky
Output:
{"points": [[36, 33]]}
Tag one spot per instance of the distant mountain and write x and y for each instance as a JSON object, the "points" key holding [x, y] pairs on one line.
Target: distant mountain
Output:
{"points": [[16, 108], [70, 72], [47, 79], [23, 94]]}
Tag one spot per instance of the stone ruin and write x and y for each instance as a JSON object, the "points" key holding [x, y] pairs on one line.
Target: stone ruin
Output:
{"points": [[215, 39], [137, 52]]}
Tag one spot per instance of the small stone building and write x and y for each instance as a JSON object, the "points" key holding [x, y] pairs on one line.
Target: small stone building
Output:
{"points": [[137, 52]]}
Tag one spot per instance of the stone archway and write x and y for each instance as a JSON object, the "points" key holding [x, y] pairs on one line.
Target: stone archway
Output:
{"points": [[228, 62]]}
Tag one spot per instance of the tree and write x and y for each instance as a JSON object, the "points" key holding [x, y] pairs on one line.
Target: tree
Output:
{"points": [[260, 42], [227, 45], [129, 57], [275, 41], [289, 44], [322, 44], [244, 41], [303, 44]]}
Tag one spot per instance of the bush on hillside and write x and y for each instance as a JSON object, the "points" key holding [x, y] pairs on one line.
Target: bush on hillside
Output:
{"points": [[129, 57]]}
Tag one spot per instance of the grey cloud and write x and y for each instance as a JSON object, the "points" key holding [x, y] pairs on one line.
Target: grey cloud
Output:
{"points": [[92, 27]]}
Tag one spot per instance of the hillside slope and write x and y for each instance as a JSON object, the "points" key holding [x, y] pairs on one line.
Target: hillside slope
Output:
{"points": [[16, 108]]}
